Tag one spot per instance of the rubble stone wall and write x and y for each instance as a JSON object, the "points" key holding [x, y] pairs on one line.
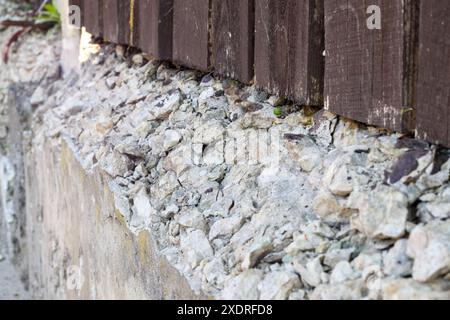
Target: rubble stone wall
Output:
{"points": [[145, 180]]}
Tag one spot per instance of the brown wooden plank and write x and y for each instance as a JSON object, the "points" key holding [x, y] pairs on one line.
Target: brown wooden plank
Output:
{"points": [[233, 24], [93, 17], [155, 27], [369, 73], [433, 86], [119, 21], [191, 33], [111, 20], [289, 48], [126, 22]]}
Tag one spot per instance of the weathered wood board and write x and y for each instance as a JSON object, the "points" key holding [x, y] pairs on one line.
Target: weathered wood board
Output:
{"points": [[154, 25], [93, 17], [433, 86], [191, 33], [233, 24], [111, 20], [369, 73], [289, 48]]}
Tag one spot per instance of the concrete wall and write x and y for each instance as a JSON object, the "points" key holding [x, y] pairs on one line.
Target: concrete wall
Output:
{"points": [[79, 245]]}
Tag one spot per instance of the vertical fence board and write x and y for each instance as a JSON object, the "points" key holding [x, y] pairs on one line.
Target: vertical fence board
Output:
{"points": [[369, 73], [93, 17], [126, 18], [191, 33], [111, 20], [289, 48], [433, 88], [233, 23], [155, 19]]}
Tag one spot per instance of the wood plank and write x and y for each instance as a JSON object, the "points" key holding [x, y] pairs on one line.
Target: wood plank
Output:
{"points": [[191, 33], [111, 20], [369, 74], [127, 20], [119, 21], [433, 87], [289, 48], [233, 24], [93, 17], [154, 26]]}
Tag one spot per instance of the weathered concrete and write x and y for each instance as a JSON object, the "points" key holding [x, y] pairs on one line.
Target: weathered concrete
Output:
{"points": [[73, 225]]}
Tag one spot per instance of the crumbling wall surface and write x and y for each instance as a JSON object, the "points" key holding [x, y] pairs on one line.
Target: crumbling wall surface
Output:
{"points": [[79, 244], [31, 62], [144, 180], [246, 195]]}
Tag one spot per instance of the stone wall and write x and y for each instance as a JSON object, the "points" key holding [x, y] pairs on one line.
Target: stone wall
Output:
{"points": [[80, 246], [147, 181]]}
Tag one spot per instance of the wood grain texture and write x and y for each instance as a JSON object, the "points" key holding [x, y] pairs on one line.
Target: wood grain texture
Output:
{"points": [[111, 20], [233, 23], [154, 24], [433, 86], [289, 48], [369, 74], [191, 33], [93, 17]]}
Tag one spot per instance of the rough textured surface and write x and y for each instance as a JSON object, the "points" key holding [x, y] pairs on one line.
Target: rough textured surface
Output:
{"points": [[247, 204], [147, 181], [11, 288]]}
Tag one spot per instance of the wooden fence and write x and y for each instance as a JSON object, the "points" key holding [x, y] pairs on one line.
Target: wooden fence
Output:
{"points": [[315, 52]]}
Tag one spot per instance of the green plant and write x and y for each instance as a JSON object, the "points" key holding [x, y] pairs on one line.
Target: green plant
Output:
{"points": [[277, 111], [49, 14]]}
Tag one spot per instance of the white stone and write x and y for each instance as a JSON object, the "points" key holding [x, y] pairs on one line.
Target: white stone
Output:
{"points": [[115, 164], [225, 227], [341, 183], [343, 272], [333, 257], [396, 262], [278, 285], [244, 286], [161, 108], [171, 139], [351, 290], [142, 210], [195, 247], [38, 97], [326, 206], [256, 251], [429, 246], [384, 215], [312, 273]]}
